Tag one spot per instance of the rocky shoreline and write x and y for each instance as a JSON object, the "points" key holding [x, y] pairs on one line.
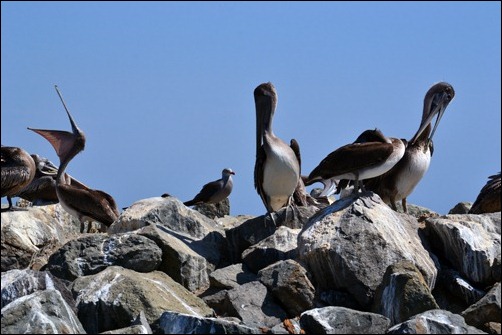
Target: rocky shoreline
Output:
{"points": [[354, 266]]}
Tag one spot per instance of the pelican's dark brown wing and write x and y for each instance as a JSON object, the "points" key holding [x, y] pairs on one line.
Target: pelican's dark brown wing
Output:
{"points": [[351, 157], [94, 204], [488, 199]]}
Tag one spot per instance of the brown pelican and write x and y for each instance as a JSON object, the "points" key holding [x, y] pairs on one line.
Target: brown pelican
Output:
{"points": [[277, 170], [215, 191], [369, 156], [488, 200], [18, 170], [81, 202], [398, 183], [42, 189]]}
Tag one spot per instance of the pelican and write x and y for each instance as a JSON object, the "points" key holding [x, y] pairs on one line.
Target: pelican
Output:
{"points": [[488, 199], [42, 189], [398, 183], [18, 170], [369, 156], [81, 202], [277, 170], [215, 191]]}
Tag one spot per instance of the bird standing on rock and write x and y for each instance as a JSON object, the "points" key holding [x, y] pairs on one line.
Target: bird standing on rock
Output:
{"points": [[214, 191]]}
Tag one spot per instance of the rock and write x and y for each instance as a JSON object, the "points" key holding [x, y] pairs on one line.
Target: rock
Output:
{"points": [[252, 304], [403, 293], [214, 211], [19, 283], [41, 312], [112, 298], [470, 243], [461, 208], [349, 245], [281, 245], [435, 321], [341, 320], [177, 323], [486, 310], [91, 254], [29, 236], [290, 285], [231, 276]]}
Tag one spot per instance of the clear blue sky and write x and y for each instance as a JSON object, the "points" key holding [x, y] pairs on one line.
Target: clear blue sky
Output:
{"points": [[164, 90]]}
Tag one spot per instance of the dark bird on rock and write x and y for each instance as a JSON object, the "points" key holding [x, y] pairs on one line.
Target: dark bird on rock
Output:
{"points": [[277, 170], [18, 170], [42, 189], [400, 181], [488, 200], [369, 156], [81, 202], [215, 191]]}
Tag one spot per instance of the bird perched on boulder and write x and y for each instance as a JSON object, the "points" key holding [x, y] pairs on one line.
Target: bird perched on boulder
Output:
{"points": [[215, 191]]}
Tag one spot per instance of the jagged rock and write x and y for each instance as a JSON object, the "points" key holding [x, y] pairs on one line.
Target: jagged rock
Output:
{"points": [[288, 326], [288, 282], [338, 298], [252, 231], [492, 328], [187, 260], [435, 321], [178, 323], [228, 221], [214, 211], [169, 213], [112, 298], [91, 254], [341, 320], [416, 211], [29, 236], [461, 208], [41, 312], [18, 283], [403, 293], [281, 245], [453, 288], [231, 276], [470, 243], [486, 310], [348, 246], [138, 326], [252, 304]]}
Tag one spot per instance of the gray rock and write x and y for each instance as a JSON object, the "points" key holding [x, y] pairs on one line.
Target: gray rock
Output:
{"points": [[231, 276], [187, 260], [348, 246], [290, 285], [435, 321], [177, 323], [19, 283], [403, 293], [470, 243], [112, 298], [341, 320], [281, 245], [252, 304], [486, 310], [42, 312], [461, 208], [169, 213], [30, 236], [91, 254], [214, 211], [254, 230]]}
